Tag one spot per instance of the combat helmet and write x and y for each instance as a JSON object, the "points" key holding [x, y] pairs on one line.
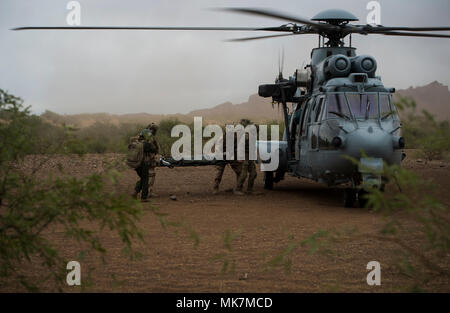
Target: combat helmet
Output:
{"points": [[145, 134], [153, 128], [245, 122]]}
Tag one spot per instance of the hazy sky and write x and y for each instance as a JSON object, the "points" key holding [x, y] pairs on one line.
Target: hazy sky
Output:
{"points": [[179, 71]]}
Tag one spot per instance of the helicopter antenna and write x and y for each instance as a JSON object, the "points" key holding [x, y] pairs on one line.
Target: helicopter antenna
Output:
{"points": [[303, 64], [281, 63]]}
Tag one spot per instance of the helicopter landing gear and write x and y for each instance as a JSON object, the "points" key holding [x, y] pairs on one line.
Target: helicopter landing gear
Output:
{"points": [[352, 194], [362, 198], [349, 197], [268, 180]]}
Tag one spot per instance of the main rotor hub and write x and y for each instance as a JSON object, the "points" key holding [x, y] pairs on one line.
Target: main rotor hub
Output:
{"points": [[334, 16]]}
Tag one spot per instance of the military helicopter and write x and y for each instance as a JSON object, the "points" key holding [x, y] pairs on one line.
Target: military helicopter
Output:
{"points": [[339, 106]]}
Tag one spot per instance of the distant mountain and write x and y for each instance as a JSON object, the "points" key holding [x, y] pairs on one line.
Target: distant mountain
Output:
{"points": [[256, 109], [434, 97]]}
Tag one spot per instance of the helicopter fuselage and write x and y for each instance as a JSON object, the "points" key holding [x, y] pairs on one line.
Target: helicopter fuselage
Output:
{"points": [[341, 114]]}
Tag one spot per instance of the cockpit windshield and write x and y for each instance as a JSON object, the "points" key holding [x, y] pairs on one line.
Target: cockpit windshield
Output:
{"points": [[337, 106], [360, 105], [363, 106], [387, 108]]}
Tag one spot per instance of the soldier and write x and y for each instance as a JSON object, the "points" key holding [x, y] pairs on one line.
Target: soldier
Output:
{"points": [[146, 170], [248, 167], [220, 167], [154, 158]]}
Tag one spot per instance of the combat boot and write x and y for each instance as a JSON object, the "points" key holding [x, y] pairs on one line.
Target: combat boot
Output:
{"points": [[215, 190]]}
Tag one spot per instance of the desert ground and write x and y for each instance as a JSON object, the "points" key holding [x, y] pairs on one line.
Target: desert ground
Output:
{"points": [[262, 225]]}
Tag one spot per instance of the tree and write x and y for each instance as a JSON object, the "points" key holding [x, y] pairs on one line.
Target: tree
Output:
{"points": [[30, 205]]}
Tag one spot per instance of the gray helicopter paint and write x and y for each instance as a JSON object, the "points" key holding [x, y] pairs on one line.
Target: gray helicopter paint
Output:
{"points": [[334, 14], [320, 54], [372, 141]]}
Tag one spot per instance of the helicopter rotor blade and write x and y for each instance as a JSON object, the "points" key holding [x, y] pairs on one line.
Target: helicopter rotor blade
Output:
{"points": [[410, 34], [259, 37], [414, 29], [279, 28], [280, 15]]}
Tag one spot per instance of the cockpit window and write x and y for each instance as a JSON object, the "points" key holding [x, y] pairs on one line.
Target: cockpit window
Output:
{"points": [[363, 106], [387, 109], [337, 106], [318, 110]]}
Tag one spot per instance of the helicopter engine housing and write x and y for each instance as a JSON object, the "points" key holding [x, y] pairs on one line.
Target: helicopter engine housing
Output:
{"points": [[333, 66], [364, 64]]}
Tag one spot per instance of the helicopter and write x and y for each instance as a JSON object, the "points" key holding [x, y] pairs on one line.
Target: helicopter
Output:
{"points": [[339, 106]]}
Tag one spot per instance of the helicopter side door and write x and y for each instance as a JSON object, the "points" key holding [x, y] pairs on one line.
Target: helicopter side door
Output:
{"points": [[304, 169], [314, 129], [314, 123], [293, 127]]}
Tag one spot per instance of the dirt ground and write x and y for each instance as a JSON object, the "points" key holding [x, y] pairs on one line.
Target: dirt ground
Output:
{"points": [[264, 225]]}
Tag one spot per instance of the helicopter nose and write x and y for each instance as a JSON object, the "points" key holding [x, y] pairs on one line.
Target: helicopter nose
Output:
{"points": [[371, 141]]}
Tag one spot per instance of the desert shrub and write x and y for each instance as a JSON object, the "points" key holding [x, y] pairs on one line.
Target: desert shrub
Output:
{"points": [[226, 258], [414, 221], [423, 131], [97, 146], [106, 137], [163, 135], [30, 205], [413, 213]]}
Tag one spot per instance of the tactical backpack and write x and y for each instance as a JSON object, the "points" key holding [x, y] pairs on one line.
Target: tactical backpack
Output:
{"points": [[135, 154]]}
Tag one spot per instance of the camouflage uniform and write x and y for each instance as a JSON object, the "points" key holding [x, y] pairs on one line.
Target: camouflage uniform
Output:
{"points": [[153, 158], [248, 166], [248, 169], [220, 167], [146, 171]]}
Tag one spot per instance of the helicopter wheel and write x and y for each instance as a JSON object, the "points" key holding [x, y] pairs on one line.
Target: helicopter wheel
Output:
{"points": [[362, 198], [268, 180], [349, 197]]}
